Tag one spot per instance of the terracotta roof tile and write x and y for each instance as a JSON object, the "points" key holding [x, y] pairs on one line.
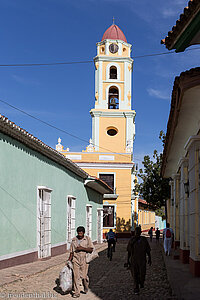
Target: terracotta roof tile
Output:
{"points": [[142, 201], [20, 134], [188, 13], [114, 33]]}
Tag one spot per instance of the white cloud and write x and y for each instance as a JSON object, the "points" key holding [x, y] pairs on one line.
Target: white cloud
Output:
{"points": [[169, 12], [158, 94], [24, 80], [175, 8]]}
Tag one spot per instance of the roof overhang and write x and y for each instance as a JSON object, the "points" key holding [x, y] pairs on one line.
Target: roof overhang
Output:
{"points": [[98, 185], [186, 32], [11, 129], [110, 196], [184, 119]]}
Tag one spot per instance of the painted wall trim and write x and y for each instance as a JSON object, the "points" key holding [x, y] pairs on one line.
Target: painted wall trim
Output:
{"points": [[59, 244], [15, 254], [105, 166]]}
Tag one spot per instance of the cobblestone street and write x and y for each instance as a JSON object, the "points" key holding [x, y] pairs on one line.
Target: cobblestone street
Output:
{"points": [[108, 280]]}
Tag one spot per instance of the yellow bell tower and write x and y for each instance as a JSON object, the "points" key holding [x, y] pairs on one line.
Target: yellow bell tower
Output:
{"points": [[109, 155], [113, 126]]}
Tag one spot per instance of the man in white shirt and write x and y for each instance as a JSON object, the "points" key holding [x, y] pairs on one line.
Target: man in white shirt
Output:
{"points": [[168, 237]]}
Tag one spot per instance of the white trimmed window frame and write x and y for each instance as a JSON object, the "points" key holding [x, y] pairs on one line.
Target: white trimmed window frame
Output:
{"points": [[88, 229], [100, 226], [107, 92], [71, 219], [43, 221], [115, 210], [113, 64], [111, 173]]}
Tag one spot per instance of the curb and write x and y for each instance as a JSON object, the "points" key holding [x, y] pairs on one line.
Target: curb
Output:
{"points": [[173, 294]]}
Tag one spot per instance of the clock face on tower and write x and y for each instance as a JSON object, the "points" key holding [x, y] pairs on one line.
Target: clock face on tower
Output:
{"points": [[113, 48]]}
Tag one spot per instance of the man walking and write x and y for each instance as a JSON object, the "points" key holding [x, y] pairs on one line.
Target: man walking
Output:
{"points": [[167, 236], [150, 233], [80, 245], [111, 238], [138, 247], [157, 235]]}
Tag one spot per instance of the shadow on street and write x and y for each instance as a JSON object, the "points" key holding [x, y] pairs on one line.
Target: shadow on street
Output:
{"points": [[110, 280]]}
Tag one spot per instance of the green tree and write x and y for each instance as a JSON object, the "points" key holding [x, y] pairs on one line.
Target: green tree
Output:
{"points": [[153, 188]]}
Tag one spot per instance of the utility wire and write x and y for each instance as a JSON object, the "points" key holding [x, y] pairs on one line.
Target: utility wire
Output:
{"points": [[27, 242], [88, 61], [26, 207], [47, 64], [59, 129], [164, 53]]}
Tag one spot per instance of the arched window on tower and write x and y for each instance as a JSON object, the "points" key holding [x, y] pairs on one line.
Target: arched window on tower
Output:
{"points": [[113, 72], [113, 98]]}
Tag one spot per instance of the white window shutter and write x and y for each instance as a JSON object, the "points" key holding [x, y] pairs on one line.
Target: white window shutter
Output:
{"points": [[44, 222]]}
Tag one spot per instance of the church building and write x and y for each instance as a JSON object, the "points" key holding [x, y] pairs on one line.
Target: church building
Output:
{"points": [[109, 154]]}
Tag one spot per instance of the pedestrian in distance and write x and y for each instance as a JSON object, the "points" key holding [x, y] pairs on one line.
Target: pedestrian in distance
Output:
{"points": [[138, 248], [111, 239], [150, 233], [168, 238], [80, 245], [157, 235]]}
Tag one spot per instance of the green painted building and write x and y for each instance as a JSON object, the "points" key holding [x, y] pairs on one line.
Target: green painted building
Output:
{"points": [[43, 198]]}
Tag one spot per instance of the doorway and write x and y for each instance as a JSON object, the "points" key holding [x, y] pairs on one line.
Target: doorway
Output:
{"points": [[89, 221], [71, 229], [44, 222], [99, 225]]}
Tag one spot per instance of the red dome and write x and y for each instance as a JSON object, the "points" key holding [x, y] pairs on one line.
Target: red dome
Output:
{"points": [[114, 33]]}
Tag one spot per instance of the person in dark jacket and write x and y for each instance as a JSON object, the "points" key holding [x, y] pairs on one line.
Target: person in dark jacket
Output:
{"points": [[157, 235], [138, 247], [111, 238], [150, 233]]}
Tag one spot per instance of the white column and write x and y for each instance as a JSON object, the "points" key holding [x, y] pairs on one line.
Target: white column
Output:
{"points": [[193, 148], [171, 213], [184, 245], [120, 48], [100, 84], [130, 131], [95, 128], [176, 179]]}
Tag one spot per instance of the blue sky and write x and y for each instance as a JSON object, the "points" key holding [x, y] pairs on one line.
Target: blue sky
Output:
{"points": [[34, 31]]}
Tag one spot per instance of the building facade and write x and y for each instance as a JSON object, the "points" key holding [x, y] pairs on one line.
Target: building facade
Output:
{"points": [[44, 197], [146, 215], [109, 155], [181, 157]]}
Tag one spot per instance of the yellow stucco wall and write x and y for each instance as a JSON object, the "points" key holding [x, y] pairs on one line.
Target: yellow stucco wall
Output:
{"points": [[122, 182], [94, 156], [146, 218], [124, 51], [113, 143], [123, 189]]}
